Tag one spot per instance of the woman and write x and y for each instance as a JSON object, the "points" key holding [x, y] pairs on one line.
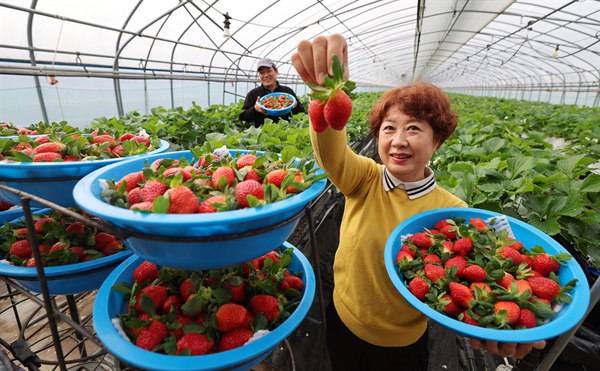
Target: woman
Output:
{"points": [[370, 325]]}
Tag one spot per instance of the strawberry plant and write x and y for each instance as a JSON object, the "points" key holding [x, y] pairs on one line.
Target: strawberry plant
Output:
{"points": [[195, 312], [484, 277]]}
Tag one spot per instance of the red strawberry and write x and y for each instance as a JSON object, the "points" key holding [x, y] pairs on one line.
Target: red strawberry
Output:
{"points": [[527, 259], [141, 139], [251, 174], [5, 205], [21, 248], [409, 249], [79, 251], [518, 287], [182, 201], [293, 282], [153, 189], [474, 273], [103, 239], [544, 287], [105, 139], [145, 272], [238, 293], [276, 177], [134, 196], [76, 228], [419, 287], [481, 285], [152, 335], [478, 223], [422, 240], [403, 254], [246, 160], [207, 205], [185, 173], [434, 272], [234, 339], [270, 255], [526, 319], [265, 304], [196, 344], [506, 280], [451, 308], [186, 288], [509, 311], [248, 188], [246, 267], [50, 147], [57, 247], [513, 244], [510, 253], [448, 246], [463, 246], [544, 264], [158, 294], [230, 316], [441, 224], [467, 318], [46, 157], [41, 139], [432, 258], [461, 294], [131, 180], [338, 109], [176, 302], [141, 206], [39, 225], [459, 262], [317, 116], [299, 178], [126, 136], [446, 231], [223, 171]]}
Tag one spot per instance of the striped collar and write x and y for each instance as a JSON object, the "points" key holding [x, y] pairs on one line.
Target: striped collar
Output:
{"points": [[413, 189]]}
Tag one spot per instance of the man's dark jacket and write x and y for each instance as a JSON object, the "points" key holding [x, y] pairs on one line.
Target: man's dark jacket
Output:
{"points": [[250, 115]]}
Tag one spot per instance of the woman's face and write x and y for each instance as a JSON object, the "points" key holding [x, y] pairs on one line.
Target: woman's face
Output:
{"points": [[405, 145]]}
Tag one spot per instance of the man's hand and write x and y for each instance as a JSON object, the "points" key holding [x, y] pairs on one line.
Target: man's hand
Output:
{"points": [[516, 350], [258, 108]]}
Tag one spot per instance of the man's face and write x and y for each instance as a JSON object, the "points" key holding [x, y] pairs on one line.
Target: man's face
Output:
{"points": [[268, 77]]}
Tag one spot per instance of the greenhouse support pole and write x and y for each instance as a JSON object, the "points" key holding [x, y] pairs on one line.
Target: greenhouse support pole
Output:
{"points": [[38, 87], [562, 341]]}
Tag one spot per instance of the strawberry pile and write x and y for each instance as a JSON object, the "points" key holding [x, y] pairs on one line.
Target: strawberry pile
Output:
{"points": [[185, 312], [8, 129], [60, 147], [475, 274], [209, 184], [62, 240], [277, 102], [330, 105]]}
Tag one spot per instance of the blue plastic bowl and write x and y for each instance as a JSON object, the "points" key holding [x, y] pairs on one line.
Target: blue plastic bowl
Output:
{"points": [[230, 238], [65, 279], [53, 181], [567, 317], [10, 215], [281, 111], [109, 303]]}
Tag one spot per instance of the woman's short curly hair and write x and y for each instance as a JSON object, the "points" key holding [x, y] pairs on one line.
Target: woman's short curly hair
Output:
{"points": [[421, 100]]}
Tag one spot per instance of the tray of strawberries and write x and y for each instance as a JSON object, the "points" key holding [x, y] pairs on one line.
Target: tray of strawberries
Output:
{"points": [[486, 275]]}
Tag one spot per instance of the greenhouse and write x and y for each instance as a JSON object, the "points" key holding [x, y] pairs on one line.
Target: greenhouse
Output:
{"points": [[157, 212]]}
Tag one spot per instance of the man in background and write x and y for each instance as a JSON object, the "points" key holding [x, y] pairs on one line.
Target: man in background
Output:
{"points": [[253, 112]]}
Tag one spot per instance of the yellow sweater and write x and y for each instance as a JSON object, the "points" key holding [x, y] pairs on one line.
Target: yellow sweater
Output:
{"points": [[364, 296]]}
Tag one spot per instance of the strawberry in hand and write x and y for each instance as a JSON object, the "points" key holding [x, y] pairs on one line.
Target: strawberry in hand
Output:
{"points": [[331, 105]]}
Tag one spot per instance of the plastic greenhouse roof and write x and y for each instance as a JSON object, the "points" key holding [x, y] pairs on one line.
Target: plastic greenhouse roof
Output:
{"points": [[456, 44]]}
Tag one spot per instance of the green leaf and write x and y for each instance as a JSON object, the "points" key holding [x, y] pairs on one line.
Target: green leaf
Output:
{"points": [[591, 183], [518, 166], [160, 205]]}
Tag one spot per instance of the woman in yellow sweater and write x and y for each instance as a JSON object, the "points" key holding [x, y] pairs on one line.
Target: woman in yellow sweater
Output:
{"points": [[370, 326]]}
